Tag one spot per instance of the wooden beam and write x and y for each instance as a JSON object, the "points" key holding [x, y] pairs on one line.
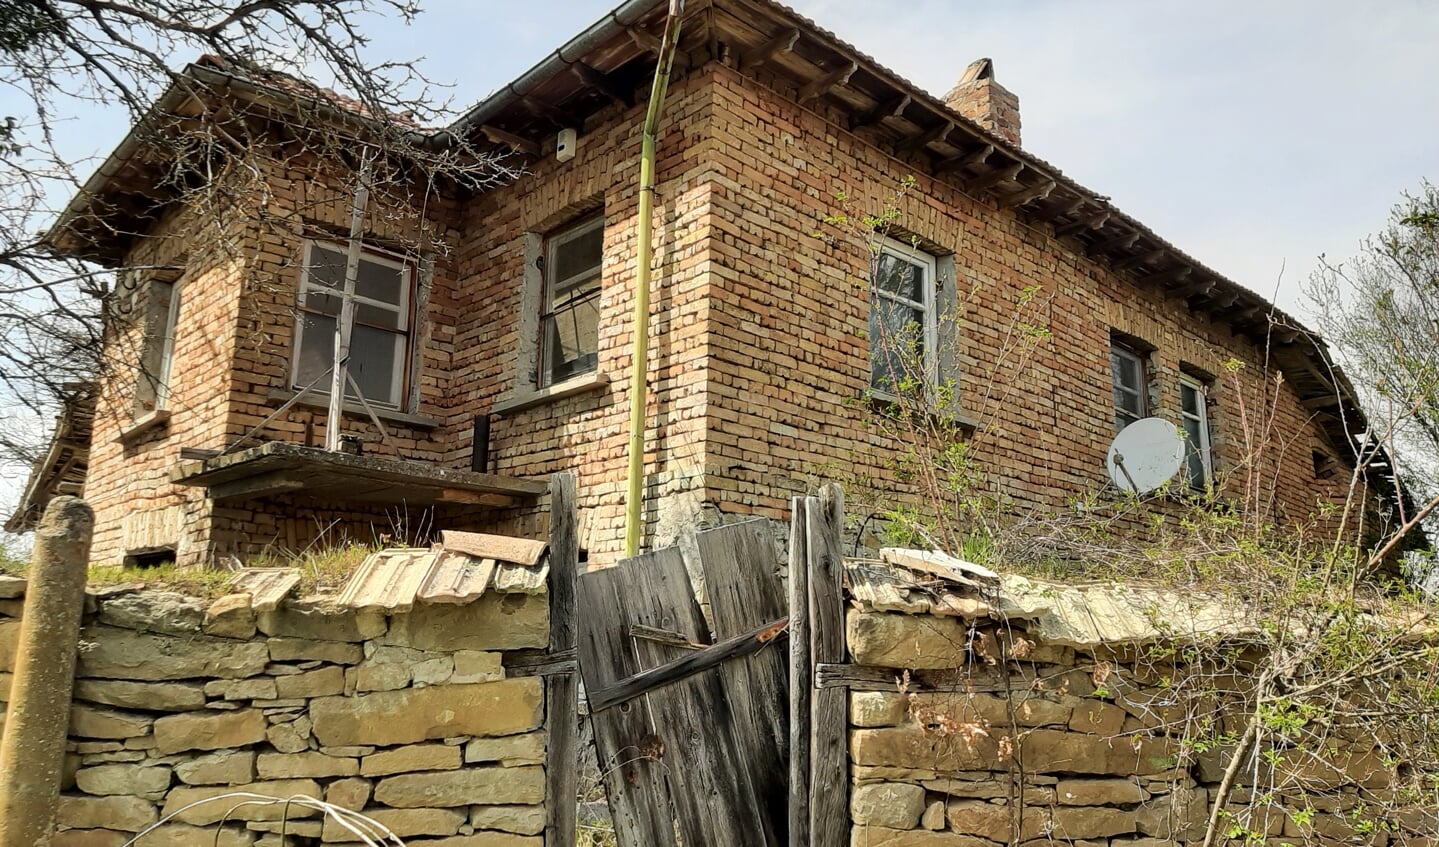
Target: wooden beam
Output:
{"points": [[829, 708], [1168, 276], [827, 83], [562, 703], [712, 656], [541, 109], [926, 138], [1118, 242], [995, 177], [1094, 221], [965, 160], [263, 485], [801, 676], [589, 76], [644, 40], [1146, 258], [515, 142], [1073, 208], [783, 42], [1197, 286], [1323, 401], [1028, 195], [893, 108]]}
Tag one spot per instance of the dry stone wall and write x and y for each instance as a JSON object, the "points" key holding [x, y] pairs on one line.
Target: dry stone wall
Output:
{"points": [[409, 718], [995, 734]]}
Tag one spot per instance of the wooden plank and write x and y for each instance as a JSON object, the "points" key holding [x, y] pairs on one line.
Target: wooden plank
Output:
{"points": [[871, 678], [562, 702], [744, 590], [266, 586], [388, 580], [800, 675], [829, 710], [715, 802], [633, 777], [457, 579], [705, 658], [521, 551], [941, 565]]}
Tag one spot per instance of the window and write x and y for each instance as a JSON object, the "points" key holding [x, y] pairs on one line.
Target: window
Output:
{"points": [[1194, 416], [162, 315], [570, 306], [379, 332], [1131, 386], [902, 325]]}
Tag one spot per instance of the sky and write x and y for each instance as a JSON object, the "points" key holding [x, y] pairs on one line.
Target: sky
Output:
{"points": [[1255, 136]]}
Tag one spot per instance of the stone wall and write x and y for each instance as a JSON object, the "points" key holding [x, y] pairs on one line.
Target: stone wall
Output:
{"points": [[409, 718], [1032, 732]]}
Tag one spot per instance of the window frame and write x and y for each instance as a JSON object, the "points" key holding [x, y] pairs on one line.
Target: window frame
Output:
{"points": [[1121, 350], [554, 239], [1206, 442], [929, 262], [404, 310]]}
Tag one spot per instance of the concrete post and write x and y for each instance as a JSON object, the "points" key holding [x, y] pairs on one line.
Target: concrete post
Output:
{"points": [[32, 753]]}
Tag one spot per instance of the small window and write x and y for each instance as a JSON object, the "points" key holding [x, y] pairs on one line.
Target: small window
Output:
{"points": [[162, 316], [1131, 386], [1194, 416], [570, 307], [902, 325], [379, 328]]}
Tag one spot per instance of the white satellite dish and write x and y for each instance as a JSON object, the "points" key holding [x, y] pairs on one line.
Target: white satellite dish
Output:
{"points": [[1145, 455]]}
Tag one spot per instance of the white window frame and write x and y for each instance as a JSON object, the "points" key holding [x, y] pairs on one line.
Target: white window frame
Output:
{"points": [[554, 240], [1123, 351], [1206, 451], [929, 263], [404, 309], [167, 347]]}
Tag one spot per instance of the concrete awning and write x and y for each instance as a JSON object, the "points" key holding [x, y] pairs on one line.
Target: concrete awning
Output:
{"points": [[280, 468]]}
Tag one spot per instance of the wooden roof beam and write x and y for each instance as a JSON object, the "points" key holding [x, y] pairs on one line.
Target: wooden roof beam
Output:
{"points": [[644, 40], [783, 42], [515, 142], [1149, 257], [926, 138], [1094, 221], [964, 160], [589, 76], [541, 109], [1072, 207], [893, 108], [825, 84], [1028, 195], [1118, 242], [995, 177]]}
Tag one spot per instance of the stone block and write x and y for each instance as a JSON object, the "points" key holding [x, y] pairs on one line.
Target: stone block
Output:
{"points": [[933, 817], [905, 641], [219, 807], [290, 737], [129, 814], [994, 822], [184, 835], [388, 718], [1073, 823], [350, 794], [255, 688], [405, 823], [494, 622], [1098, 717], [153, 611], [151, 696], [510, 750], [11, 587], [1100, 792], [436, 671], [878, 836], [487, 839], [877, 708], [448, 789], [910, 745], [230, 767], [420, 757], [372, 677], [89, 838], [320, 623], [193, 731], [521, 820], [896, 805], [88, 722], [317, 683], [230, 617], [126, 654], [300, 649], [104, 780], [477, 666], [302, 765], [1180, 815]]}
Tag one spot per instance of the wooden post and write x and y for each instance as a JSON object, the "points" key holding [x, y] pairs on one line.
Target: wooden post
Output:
{"points": [[562, 690], [32, 753], [334, 423], [829, 709], [801, 675]]}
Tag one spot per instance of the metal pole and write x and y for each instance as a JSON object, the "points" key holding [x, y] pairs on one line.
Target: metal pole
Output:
{"points": [[32, 752]]}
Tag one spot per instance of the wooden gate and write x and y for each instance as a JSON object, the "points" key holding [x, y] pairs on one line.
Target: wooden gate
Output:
{"points": [[723, 740]]}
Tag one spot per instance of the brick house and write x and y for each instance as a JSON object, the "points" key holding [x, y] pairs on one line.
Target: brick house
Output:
{"points": [[493, 342]]}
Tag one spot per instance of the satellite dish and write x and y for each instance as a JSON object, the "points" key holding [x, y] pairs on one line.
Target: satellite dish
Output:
{"points": [[1145, 455]]}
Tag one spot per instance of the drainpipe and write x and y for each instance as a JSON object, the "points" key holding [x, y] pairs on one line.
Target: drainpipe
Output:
{"points": [[639, 359]]}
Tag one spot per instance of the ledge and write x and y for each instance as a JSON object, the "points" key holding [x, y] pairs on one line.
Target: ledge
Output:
{"points": [[353, 409], [574, 386], [158, 419]]}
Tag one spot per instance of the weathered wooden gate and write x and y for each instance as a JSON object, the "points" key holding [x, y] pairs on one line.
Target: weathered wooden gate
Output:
{"points": [[699, 740]]}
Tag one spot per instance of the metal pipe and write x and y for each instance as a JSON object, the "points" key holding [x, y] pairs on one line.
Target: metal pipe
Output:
{"points": [[639, 359]]}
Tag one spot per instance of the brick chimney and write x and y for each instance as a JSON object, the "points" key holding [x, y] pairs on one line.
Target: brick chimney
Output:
{"points": [[978, 97]]}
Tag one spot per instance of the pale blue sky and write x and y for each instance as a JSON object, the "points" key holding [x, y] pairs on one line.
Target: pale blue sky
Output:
{"points": [[1254, 135]]}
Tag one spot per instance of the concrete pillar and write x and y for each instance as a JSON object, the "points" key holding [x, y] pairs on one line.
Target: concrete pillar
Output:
{"points": [[32, 753]]}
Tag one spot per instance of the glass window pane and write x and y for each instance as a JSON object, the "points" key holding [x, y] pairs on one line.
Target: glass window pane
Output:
{"points": [[380, 282], [377, 316], [903, 278], [571, 338], [1189, 399], [327, 266], [374, 358], [324, 302], [317, 350], [579, 254], [896, 343]]}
